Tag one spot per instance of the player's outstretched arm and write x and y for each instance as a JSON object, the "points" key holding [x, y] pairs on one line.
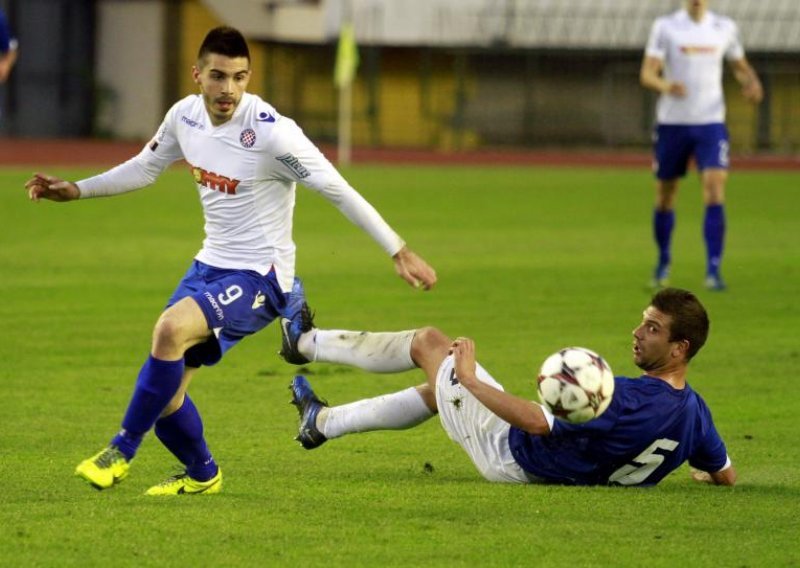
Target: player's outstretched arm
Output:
{"points": [[518, 412], [413, 269], [43, 186]]}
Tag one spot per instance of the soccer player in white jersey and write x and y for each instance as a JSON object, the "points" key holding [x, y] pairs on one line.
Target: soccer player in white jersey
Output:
{"points": [[683, 61], [654, 423], [245, 159]]}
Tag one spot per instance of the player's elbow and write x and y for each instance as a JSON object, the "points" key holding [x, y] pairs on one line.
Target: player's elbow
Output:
{"points": [[648, 73], [535, 423], [539, 429], [725, 477]]}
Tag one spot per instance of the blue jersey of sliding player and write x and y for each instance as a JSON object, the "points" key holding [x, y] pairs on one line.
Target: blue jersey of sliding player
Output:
{"points": [[649, 429]]}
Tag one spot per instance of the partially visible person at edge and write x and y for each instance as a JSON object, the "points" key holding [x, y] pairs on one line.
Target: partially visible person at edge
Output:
{"points": [[8, 48], [654, 423], [245, 159], [683, 62]]}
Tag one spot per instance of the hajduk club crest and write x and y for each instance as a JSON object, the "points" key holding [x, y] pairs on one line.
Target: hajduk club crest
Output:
{"points": [[247, 138]]}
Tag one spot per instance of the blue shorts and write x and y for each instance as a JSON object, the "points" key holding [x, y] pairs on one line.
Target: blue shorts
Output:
{"points": [[674, 144], [236, 303]]}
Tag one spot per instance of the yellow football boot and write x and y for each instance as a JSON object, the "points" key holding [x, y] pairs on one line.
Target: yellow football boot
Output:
{"points": [[104, 469], [182, 484]]}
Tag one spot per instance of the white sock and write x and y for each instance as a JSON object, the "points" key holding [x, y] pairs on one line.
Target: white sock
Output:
{"points": [[396, 411], [388, 352]]}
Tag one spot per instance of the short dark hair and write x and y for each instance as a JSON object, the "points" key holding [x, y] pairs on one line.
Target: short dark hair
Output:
{"points": [[226, 41], [689, 317]]}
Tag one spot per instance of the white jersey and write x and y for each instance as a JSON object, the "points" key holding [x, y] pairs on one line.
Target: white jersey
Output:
{"points": [[246, 171], [693, 53]]}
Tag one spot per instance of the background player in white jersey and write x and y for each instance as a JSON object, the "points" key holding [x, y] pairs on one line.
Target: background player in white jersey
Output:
{"points": [[653, 424], [683, 61], [246, 160]]}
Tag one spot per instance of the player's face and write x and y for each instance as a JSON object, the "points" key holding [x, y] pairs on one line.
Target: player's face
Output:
{"points": [[652, 349], [222, 80], [696, 7]]}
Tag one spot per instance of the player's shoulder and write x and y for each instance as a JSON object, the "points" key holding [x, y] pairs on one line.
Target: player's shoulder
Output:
{"points": [[189, 108], [720, 21], [673, 19], [696, 398], [703, 420], [256, 110], [189, 102], [621, 381], [645, 387]]}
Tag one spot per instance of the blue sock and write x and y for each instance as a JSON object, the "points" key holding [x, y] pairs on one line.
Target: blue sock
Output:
{"points": [[714, 234], [182, 434], [663, 223], [157, 383]]}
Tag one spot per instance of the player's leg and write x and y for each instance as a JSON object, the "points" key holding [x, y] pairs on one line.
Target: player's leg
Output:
{"points": [[179, 327], [713, 162], [672, 149], [714, 224], [303, 343], [663, 226], [377, 352], [381, 352], [319, 422], [243, 303], [180, 429], [396, 411]]}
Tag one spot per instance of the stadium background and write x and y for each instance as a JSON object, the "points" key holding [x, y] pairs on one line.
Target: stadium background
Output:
{"points": [[434, 75], [530, 259]]}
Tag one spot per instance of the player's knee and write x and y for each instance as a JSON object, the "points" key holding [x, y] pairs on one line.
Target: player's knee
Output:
{"points": [[714, 180], [714, 192], [665, 194], [168, 333], [429, 343]]}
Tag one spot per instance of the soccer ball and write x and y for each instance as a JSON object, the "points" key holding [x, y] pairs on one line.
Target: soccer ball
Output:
{"points": [[575, 384]]}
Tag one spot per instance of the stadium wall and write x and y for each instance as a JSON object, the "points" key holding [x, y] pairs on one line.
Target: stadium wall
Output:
{"points": [[132, 60], [461, 98], [132, 70]]}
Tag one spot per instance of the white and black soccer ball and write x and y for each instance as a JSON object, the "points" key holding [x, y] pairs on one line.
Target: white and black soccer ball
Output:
{"points": [[575, 384]]}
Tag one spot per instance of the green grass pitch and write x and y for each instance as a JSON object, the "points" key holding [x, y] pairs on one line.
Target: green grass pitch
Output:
{"points": [[529, 260]]}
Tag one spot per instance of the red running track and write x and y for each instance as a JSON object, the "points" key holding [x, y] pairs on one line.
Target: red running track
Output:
{"points": [[34, 153]]}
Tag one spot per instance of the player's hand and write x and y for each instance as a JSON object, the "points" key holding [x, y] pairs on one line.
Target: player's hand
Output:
{"points": [[676, 89], [463, 350], [413, 269], [753, 91], [43, 186], [701, 476]]}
